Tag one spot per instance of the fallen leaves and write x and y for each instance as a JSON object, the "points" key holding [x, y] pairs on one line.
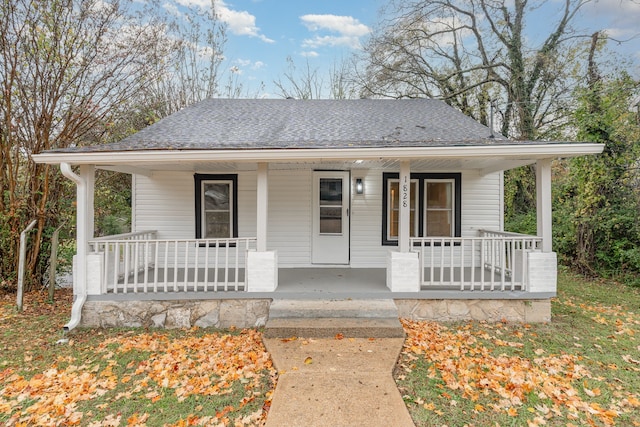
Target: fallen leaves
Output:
{"points": [[203, 365], [462, 359]]}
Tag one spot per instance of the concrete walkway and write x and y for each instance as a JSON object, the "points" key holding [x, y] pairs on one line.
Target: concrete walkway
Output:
{"points": [[336, 382]]}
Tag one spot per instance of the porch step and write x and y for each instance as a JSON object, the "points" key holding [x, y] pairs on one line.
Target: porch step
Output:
{"points": [[328, 318]]}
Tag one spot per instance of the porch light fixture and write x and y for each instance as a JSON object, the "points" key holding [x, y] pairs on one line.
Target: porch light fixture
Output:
{"points": [[359, 186]]}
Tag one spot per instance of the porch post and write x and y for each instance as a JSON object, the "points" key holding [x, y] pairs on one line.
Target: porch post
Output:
{"points": [[262, 200], [403, 266], [88, 172], [404, 226], [543, 205], [262, 265], [541, 266]]}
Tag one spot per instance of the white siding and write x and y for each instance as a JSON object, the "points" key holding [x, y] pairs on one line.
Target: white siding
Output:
{"points": [[165, 202], [289, 229], [480, 202], [366, 222]]}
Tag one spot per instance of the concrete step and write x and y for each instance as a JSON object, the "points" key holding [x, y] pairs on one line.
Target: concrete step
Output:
{"points": [[371, 308], [328, 318]]}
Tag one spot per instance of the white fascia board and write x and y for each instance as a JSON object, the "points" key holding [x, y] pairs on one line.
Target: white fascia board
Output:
{"points": [[522, 152]]}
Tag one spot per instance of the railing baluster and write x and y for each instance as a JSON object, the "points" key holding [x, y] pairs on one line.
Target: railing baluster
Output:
{"points": [[166, 266], [186, 266], [156, 249], [226, 265], [503, 264], [146, 266], [196, 278], [206, 266], [125, 281], [473, 265], [462, 264], [215, 271], [175, 266], [236, 266]]}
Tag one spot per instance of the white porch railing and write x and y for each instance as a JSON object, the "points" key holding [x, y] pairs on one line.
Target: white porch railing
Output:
{"points": [[137, 262], [492, 261]]}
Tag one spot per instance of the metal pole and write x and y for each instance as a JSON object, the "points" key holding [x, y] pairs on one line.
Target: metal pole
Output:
{"points": [[53, 262], [23, 250]]}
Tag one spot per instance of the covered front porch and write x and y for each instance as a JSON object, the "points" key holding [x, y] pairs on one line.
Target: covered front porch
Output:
{"points": [[139, 263]]}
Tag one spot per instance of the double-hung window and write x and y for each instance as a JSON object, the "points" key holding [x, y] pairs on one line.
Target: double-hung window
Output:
{"points": [[435, 207], [216, 206]]}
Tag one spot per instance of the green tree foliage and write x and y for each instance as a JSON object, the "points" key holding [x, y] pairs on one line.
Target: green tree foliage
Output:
{"points": [[597, 198]]}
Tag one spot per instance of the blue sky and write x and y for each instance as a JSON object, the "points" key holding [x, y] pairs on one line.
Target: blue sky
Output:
{"points": [[263, 33]]}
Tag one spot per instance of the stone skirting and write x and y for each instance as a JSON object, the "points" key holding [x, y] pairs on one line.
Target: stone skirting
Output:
{"points": [[241, 313], [250, 313], [527, 311]]}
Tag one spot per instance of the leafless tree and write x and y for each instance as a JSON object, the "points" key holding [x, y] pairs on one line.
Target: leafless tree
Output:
{"points": [[472, 52], [309, 83]]}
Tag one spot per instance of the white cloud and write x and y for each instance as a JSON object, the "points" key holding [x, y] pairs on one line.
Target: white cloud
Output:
{"points": [[333, 41], [250, 64], [345, 25], [240, 22], [348, 29], [310, 54], [621, 17]]}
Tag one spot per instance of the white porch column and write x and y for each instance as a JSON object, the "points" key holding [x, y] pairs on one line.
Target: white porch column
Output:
{"points": [[262, 265], [403, 267], [543, 205], [88, 173], [263, 206], [404, 225]]}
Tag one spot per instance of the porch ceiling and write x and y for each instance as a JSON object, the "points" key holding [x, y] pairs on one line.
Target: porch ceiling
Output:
{"points": [[485, 165]]}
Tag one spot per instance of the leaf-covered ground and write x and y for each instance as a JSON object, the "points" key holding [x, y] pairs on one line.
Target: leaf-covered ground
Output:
{"points": [[582, 369], [127, 377]]}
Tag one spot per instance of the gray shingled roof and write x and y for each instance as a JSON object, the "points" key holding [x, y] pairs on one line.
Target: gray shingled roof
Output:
{"points": [[216, 124]]}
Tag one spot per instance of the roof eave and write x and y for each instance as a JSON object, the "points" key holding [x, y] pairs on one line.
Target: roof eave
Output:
{"points": [[147, 157]]}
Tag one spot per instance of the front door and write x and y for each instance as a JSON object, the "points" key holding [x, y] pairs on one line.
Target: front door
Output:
{"points": [[330, 218]]}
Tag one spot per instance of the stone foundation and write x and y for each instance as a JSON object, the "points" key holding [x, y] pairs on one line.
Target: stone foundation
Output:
{"points": [[241, 313], [526, 311]]}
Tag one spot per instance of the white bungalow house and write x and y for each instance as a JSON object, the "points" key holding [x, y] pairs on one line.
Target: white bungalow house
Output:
{"points": [[237, 202]]}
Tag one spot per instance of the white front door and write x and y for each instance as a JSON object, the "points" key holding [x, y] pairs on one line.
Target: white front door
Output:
{"points": [[330, 218]]}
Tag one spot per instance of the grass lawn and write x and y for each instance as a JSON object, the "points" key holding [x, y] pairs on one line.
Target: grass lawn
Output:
{"points": [[126, 377], [582, 369]]}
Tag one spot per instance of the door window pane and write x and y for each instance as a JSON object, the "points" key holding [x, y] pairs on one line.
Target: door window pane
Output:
{"points": [[330, 191], [330, 206]]}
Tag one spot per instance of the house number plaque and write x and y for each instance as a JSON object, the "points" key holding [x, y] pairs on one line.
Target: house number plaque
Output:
{"points": [[405, 193]]}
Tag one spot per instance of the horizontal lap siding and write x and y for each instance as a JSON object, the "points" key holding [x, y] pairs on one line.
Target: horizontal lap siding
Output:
{"points": [[289, 229], [480, 202], [366, 222], [165, 202]]}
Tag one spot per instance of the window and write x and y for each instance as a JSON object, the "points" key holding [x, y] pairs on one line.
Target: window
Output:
{"points": [[435, 206], [216, 206]]}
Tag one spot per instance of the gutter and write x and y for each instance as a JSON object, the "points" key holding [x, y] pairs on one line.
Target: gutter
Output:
{"points": [[141, 158], [81, 277]]}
